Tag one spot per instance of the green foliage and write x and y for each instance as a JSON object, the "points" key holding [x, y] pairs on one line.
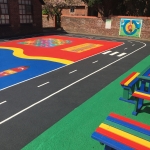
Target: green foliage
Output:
{"points": [[45, 12], [120, 7]]}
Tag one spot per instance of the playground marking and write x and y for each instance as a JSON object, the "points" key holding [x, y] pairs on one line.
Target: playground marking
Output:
{"points": [[72, 71], [44, 99], [95, 62], [62, 66], [114, 53], [121, 54], [43, 84], [107, 52], [3, 102]]}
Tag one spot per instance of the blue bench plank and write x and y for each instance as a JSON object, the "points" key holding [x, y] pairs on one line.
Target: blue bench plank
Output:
{"points": [[111, 143]]}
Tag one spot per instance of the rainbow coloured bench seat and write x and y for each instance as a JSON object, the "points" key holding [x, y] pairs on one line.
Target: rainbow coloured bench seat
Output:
{"points": [[121, 133], [129, 85], [140, 96]]}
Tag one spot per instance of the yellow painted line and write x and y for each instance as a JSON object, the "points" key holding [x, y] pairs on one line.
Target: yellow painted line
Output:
{"points": [[18, 52], [82, 47], [132, 78], [125, 135], [136, 92]]}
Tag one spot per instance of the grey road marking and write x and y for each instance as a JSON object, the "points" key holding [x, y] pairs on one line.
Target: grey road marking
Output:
{"points": [[107, 52], [114, 53], [43, 84], [72, 71], [121, 54], [3, 102], [95, 62]]}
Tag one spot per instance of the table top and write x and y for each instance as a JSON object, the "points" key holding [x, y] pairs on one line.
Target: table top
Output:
{"points": [[145, 74]]}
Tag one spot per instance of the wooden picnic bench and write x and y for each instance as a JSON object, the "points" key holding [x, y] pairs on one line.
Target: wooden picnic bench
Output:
{"points": [[121, 133], [129, 85]]}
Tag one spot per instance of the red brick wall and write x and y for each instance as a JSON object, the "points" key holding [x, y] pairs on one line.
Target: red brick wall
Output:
{"points": [[15, 28], [95, 25], [48, 22]]}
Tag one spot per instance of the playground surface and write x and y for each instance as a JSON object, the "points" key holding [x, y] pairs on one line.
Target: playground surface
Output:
{"points": [[64, 114]]}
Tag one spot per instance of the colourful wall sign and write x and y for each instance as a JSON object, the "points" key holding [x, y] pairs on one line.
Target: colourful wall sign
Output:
{"points": [[130, 27]]}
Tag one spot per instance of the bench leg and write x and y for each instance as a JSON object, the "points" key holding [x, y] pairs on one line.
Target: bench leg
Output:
{"points": [[138, 106], [126, 95], [108, 148]]}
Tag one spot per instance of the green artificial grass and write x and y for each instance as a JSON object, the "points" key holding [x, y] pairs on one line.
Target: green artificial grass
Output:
{"points": [[73, 132]]}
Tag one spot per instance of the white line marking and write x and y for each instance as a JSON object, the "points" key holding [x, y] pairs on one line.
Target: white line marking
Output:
{"points": [[125, 48], [121, 54], [129, 41], [44, 99], [72, 71], [43, 84], [95, 62], [3, 102], [133, 44], [114, 53], [107, 52]]}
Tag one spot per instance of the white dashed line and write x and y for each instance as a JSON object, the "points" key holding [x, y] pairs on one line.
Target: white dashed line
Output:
{"points": [[125, 48], [72, 71], [107, 52], [43, 84], [95, 62], [133, 44], [121, 54], [114, 53], [3, 102]]}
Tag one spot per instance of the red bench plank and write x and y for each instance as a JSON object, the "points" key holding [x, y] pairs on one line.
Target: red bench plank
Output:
{"points": [[136, 123], [127, 78]]}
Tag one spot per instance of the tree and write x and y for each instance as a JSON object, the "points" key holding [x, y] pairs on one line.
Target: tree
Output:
{"points": [[104, 7], [54, 7], [120, 7]]}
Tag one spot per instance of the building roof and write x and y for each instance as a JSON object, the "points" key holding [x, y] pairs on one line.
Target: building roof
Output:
{"points": [[42, 2]]}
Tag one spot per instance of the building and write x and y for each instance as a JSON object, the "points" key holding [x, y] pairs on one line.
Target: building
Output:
{"points": [[76, 10], [19, 17]]}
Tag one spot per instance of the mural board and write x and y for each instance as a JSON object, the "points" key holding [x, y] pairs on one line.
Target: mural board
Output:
{"points": [[130, 27]]}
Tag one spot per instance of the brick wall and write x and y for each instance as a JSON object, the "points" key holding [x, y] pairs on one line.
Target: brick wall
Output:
{"points": [[95, 25], [15, 28], [48, 22]]}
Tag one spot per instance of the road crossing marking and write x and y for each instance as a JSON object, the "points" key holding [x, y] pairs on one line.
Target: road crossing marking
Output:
{"points": [[95, 62], [114, 53], [72, 71], [3, 102], [121, 54], [43, 84], [107, 52]]}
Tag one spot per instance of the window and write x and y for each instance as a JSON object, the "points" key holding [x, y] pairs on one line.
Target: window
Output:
{"points": [[25, 11], [4, 16], [71, 10]]}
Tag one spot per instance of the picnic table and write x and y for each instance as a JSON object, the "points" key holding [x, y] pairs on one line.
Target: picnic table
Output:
{"points": [[136, 89], [143, 93]]}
